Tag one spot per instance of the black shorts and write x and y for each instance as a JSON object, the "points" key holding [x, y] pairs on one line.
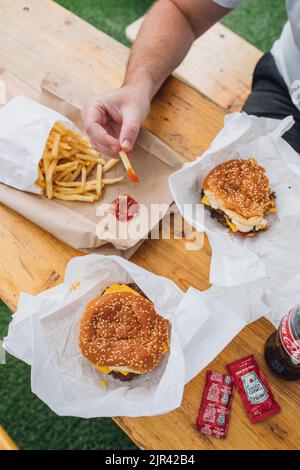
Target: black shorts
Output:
{"points": [[270, 98]]}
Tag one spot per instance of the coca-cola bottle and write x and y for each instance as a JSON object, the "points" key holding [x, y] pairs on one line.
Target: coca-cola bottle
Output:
{"points": [[282, 349]]}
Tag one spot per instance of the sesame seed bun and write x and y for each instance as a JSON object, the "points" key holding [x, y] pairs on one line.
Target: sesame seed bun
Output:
{"points": [[122, 332], [241, 189]]}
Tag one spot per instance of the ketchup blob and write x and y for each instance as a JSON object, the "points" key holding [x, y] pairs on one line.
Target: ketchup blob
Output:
{"points": [[125, 208]]}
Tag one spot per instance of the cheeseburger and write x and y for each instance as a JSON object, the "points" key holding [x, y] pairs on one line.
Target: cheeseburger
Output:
{"points": [[238, 195], [121, 334]]}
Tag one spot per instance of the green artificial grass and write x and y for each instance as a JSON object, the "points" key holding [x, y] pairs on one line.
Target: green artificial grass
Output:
{"points": [[258, 21], [29, 422], [33, 426]]}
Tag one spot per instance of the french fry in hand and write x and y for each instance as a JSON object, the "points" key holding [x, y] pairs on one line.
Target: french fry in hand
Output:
{"points": [[130, 171]]}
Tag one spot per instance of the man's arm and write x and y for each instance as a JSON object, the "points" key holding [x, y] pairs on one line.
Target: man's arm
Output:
{"points": [[113, 120]]}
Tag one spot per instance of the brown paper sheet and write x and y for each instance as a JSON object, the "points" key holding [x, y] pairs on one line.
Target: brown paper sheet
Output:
{"points": [[74, 222]]}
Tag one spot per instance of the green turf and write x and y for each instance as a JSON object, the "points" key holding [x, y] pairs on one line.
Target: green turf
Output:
{"points": [[33, 426], [29, 422], [258, 21]]}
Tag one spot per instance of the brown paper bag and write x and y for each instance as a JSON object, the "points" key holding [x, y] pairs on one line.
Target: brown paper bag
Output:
{"points": [[75, 223]]}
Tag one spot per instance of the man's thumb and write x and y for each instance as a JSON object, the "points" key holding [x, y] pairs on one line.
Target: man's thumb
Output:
{"points": [[129, 132]]}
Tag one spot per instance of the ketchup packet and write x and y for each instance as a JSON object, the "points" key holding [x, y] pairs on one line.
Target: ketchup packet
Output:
{"points": [[255, 391], [214, 413]]}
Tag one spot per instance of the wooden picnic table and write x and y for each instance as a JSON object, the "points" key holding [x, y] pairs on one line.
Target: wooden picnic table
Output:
{"points": [[37, 37]]}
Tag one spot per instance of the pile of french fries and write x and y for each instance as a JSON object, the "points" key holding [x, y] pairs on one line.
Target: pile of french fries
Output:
{"points": [[71, 170]]}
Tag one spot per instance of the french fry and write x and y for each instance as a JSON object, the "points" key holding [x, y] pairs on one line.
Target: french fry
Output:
{"points": [[61, 145], [49, 156], [88, 151], [99, 180], [49, 179], [55, 147], [130, 171], [65, 153], [90, 158], [83, 178], [77, 190], [107, 181], [88, 187], [61, 176], [74, 197], [110, 164], [60, 128], [41, 178], [73, 176], [69, 184], [67, 166], [41, 185], [91, 166]]}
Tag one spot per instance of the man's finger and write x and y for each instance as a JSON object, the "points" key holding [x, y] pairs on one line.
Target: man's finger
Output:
{"points": [[101, 138], [129, 132]]}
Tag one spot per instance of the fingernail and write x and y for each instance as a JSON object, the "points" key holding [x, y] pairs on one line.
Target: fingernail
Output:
{"points": [[126, 145]]}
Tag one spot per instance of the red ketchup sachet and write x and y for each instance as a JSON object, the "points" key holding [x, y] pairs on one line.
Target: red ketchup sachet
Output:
{"points": [[214, 413], [255, 391]]}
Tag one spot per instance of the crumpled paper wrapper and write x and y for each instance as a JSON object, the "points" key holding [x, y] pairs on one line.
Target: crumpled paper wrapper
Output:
{"points": [[24, 129], [237, 260], [44, 333]]}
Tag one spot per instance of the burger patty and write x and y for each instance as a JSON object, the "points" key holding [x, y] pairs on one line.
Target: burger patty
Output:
{"points": [[135, 287], [218, 215], [122, 377]]}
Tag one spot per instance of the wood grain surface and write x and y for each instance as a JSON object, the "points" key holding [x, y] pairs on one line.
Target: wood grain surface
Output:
{"points": [[6, 442], [219, 64]]}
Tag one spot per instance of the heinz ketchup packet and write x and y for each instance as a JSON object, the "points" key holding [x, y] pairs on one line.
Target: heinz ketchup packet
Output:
{"points": [[215, 409], [254, 389]]}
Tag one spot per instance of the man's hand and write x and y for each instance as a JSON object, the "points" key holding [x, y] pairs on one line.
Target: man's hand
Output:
{"points": [[113, 120]]}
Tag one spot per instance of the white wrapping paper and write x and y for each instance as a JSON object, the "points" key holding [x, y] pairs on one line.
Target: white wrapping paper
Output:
{"points": [[24, 129], [44, 333], [237, 260]]}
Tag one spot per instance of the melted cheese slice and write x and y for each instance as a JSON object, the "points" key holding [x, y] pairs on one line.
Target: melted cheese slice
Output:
{"points": [[104, 384], [120, 288], [205, 201], [108, 370], [231, 225]]}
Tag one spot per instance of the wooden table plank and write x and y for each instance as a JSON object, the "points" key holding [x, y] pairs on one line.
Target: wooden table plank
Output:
{"points": [[6, 443], [219, 65], [48, 38]]}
